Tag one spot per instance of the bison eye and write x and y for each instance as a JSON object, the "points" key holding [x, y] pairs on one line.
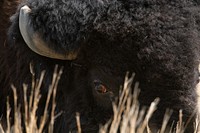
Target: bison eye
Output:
{"points": [[99, 87]]}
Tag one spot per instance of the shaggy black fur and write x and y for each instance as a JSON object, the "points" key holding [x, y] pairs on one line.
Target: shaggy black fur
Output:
{"points": [[157, 39]]}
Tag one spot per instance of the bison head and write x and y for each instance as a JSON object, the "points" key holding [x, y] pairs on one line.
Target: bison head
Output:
{"points": [[75, 36], [97, 42]]}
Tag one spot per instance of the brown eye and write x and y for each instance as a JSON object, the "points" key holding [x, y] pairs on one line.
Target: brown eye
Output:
{"points": [[100, 88]]}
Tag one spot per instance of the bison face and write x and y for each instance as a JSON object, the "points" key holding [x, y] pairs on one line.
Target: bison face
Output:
{"points": [[90, 82], [93, 89], [92, 93], [96, 84]]}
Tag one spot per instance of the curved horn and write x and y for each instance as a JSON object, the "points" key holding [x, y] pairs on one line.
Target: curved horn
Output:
{"points": [[34, 40]]}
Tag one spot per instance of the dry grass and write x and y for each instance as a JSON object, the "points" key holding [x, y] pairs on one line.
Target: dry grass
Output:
{"points": [[31, 106], [128, 117]]}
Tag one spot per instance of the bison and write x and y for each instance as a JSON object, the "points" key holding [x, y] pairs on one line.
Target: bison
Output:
{"points": [[97, 42]]}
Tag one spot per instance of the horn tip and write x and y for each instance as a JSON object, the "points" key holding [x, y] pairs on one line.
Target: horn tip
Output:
{"points": [[25, 9]]}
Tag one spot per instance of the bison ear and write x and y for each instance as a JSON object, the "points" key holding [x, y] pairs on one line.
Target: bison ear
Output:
{"points": [[34, 40]]}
